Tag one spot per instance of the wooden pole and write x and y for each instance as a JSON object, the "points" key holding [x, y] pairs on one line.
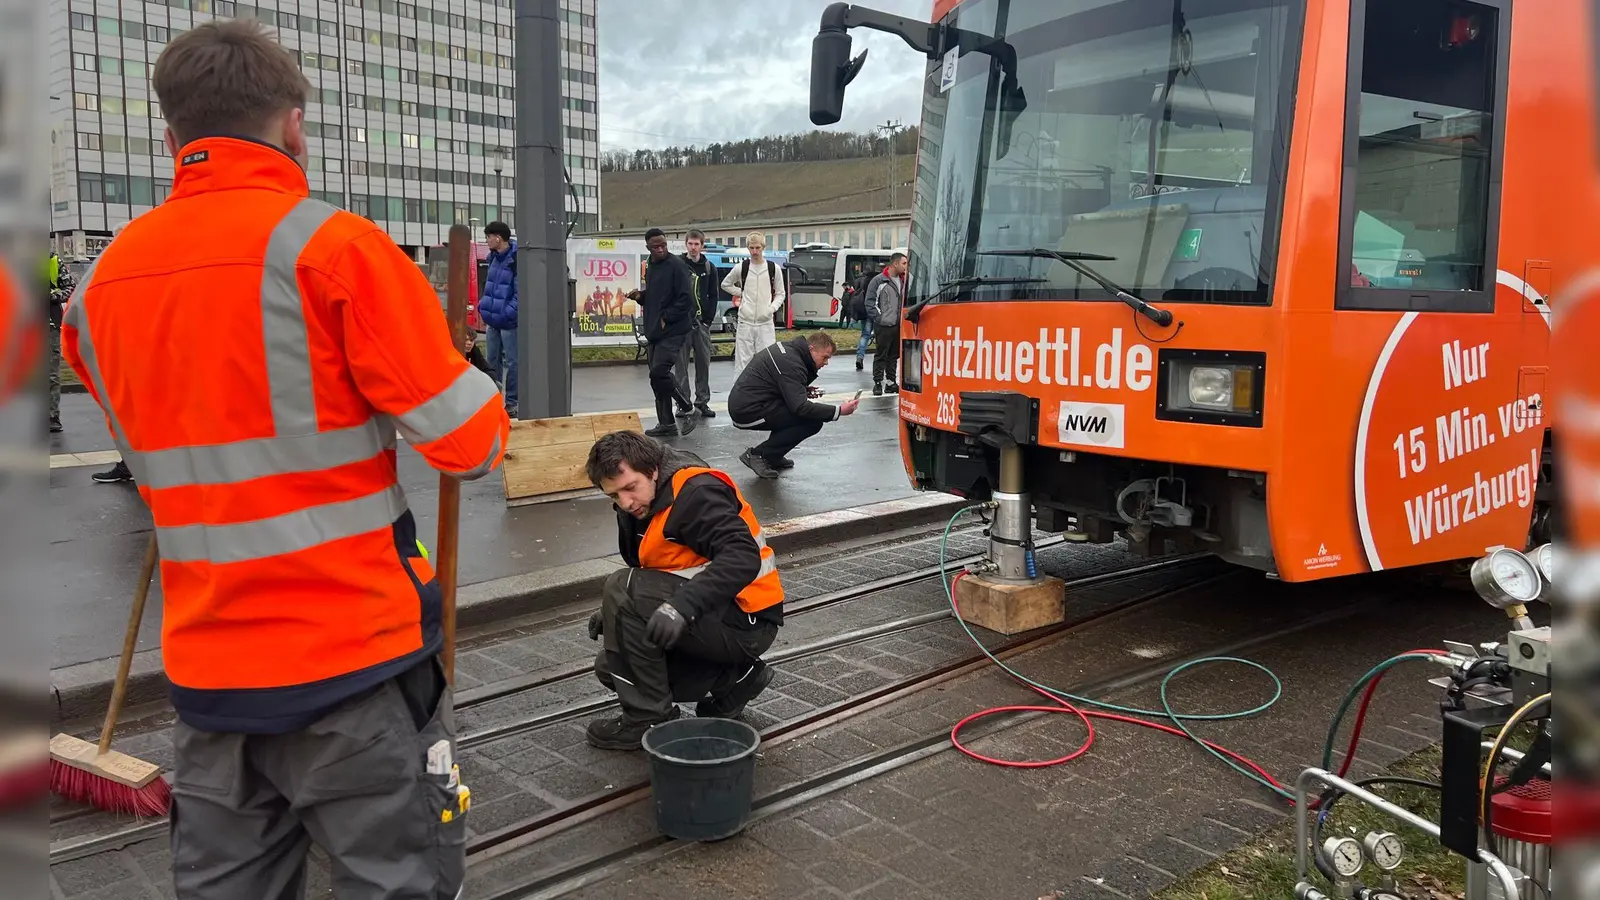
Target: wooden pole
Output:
{"points": [[119, 689], [462, 264]]}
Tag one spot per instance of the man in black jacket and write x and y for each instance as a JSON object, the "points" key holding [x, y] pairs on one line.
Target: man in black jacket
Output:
{"points": [[773, 394], [706, 286], [667, 308], [699, 601]]}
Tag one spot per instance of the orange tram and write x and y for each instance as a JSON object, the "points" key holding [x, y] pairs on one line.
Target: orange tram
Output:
{"points": [[1268, 278]]}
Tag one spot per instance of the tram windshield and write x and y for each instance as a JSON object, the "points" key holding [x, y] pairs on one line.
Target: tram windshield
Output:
{"points": [[1151, 131]]}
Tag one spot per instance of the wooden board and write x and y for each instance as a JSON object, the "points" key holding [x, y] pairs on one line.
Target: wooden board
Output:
{"points": [[1011, 608], [545, 457]]}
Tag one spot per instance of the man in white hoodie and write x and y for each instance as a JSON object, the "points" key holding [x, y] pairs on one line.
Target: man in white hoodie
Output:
{"points": [[756, 286]]}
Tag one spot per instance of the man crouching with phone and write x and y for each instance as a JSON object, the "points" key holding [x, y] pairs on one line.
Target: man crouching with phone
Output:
{"points": [[700, 600], [772, 394]]}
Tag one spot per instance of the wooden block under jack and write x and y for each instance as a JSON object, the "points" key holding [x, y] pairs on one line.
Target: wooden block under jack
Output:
{"points": [[1011, 608], [545, 457]]}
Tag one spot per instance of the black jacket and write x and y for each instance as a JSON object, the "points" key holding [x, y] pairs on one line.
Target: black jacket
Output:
{"points": [[668, 299], [710, 286], [776, 379], [704, 518]]}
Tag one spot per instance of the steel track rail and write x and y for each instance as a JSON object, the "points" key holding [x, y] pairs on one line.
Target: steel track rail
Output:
{"points": [[597, 869], [81, 847], [566, 817], [511, 686]]}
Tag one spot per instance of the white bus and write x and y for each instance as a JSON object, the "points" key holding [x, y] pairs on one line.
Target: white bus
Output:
{"points": [[819, 273]]}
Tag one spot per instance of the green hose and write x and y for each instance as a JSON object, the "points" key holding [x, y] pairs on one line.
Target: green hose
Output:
{"points": [[1166, 712]]}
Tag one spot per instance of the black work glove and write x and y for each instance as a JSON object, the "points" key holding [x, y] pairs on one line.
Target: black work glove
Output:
{"points": [[665, 627], [597, 626]]}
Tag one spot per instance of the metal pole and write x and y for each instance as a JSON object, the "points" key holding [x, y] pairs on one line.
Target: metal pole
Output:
{"points": [[499, 185], [544, 322]]}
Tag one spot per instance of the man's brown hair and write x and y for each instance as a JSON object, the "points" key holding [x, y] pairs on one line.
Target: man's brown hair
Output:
{"points": [[821, 341], [643, 454], [226, 77]]}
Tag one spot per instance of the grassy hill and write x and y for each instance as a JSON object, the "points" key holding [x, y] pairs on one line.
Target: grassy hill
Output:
{"points": [[752, 190]]}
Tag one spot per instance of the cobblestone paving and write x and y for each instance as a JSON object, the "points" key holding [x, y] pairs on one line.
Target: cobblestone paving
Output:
{"points": [[1136, 814], [529, 774]]}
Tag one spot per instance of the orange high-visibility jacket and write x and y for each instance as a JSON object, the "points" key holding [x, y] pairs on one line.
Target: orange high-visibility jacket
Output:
{"points": [[255, 352], [657, 552], [19, 335]]}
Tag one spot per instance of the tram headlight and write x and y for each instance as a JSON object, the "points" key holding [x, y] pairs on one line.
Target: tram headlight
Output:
{"points": [[1506, 578], [1211, 387], [1218, 387]]}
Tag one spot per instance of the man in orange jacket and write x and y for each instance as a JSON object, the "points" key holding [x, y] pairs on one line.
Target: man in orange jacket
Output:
{"points": [[700, 601], [301, 621]]}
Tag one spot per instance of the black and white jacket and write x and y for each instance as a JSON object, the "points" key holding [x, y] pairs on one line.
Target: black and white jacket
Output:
{"points": [[776, 380]]}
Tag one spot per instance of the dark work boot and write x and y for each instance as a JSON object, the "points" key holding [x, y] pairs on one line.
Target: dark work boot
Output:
{"points": [[620, 733], [685, 424], [732, 703], [782, 462], [706, 411], [877, 389], [114, 475], [891, 388], [758, 464], [662, 431]]}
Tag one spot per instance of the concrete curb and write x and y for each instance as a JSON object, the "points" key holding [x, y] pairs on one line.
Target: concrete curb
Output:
{"points": [[83, 690]]}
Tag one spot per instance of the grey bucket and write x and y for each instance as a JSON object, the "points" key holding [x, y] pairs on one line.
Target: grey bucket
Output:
{"points": [[702, 774]]}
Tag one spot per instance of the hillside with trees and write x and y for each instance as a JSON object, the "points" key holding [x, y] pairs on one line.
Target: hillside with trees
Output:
{"points": [[811, 146]]}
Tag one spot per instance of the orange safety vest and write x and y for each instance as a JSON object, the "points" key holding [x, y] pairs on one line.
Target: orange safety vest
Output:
{"points": [[657, 552], [254, 352], [19, 336]]}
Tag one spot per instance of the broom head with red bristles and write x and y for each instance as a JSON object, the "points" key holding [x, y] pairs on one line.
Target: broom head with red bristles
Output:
{"points": [[112, 782]]}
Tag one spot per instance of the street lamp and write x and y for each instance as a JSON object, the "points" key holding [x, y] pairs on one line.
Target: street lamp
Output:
{"points": [[499, 185]]}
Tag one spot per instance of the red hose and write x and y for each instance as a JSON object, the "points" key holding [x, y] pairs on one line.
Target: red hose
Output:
{"points": [[1361, 714], [1088, 741]]}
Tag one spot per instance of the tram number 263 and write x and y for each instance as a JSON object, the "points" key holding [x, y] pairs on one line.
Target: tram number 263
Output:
{"points": [[947, 410]]}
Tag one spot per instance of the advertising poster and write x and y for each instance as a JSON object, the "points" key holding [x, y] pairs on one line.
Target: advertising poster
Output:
{"points": [[604, 279]]}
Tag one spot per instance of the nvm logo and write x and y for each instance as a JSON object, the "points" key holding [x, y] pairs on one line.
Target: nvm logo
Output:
{"points": [[1095, 424], [1086, 424]]}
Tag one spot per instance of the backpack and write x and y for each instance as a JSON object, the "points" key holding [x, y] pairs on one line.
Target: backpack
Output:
{"points": [[857, 294], [772, 275]]}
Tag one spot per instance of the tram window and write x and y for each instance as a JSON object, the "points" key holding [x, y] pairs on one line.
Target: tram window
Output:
{"points": [[1421, 191]]}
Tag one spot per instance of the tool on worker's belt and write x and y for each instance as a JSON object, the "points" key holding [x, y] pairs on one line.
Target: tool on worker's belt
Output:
{"points": [[96, 774], [461, 266]]}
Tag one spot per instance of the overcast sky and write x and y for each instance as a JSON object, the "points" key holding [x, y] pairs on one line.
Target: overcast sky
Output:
{"points": [[682, 72]]}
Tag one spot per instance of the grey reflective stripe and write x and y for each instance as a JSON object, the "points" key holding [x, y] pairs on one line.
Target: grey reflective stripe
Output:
{"points": [[247, 460], [447, 410], [483, 468], [283, 322], [769, 564], [280, 535], [78, 318]]}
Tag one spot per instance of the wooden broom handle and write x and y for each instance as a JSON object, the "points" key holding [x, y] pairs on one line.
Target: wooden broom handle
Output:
{"points": [[119, 690], [462, 266]]}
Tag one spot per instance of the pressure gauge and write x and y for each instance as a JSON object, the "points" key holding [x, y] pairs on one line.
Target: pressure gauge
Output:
{"points": [[1345, 855], [1543, 557], [1384, 849], [1506, 578]]}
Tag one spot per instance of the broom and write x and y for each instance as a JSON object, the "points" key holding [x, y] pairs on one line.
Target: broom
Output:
{"points": [[97, 775], [456, 291]]}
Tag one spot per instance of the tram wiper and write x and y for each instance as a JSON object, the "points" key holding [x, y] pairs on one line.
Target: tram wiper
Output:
{"points": [[1075, 260], [913, 313]]}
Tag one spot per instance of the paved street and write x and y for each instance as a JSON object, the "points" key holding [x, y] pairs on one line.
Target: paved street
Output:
{"points": [[97, 532]]}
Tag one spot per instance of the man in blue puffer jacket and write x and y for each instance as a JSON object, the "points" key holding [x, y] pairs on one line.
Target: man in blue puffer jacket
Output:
{"points": [[498, 308]]}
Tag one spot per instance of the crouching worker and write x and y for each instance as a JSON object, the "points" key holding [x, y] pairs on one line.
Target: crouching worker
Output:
{"points": [[700, 600]]}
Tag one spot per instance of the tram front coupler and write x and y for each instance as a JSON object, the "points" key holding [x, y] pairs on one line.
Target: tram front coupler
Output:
{"points": [[1500, 825]]}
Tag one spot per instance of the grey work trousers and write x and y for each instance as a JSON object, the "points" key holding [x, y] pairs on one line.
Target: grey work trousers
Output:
{"points": [[699, 343], [710, 657], [55, 371], [246, 808]]}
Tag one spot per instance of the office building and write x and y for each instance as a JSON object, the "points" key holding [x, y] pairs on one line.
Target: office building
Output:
{"points": [[411, 113]]}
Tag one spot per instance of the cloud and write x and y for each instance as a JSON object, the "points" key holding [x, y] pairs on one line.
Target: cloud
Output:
{"points": [[675, 72]]}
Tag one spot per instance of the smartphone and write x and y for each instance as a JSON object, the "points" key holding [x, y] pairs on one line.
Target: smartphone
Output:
{"points": [[858, 395]]}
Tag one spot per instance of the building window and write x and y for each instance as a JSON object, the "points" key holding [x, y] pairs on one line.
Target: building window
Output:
{"points": [[333, 164], [90, 189], [114, 143], [82, 21], [110, 27], [110, 104], [89, 102], [135, 68], [88, 141], [83, 62], [137, 107]]}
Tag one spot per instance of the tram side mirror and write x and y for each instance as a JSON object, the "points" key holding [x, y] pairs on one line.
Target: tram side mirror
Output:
{"points": [[831, 70]]}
